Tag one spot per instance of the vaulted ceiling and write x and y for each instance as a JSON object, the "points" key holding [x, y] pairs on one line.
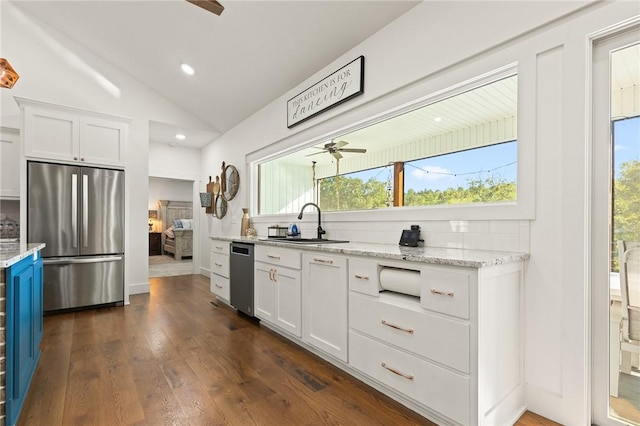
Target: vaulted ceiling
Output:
{"points": [[244, 59]]}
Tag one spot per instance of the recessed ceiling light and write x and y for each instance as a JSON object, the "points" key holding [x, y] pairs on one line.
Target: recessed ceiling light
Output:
{"points": [[437, 119], [187, 69], [180, 137]]}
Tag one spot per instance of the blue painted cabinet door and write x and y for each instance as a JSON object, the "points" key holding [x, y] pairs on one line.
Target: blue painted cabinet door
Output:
{"points": [[24, 331]]}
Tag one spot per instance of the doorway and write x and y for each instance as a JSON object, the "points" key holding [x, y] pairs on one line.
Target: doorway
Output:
{"points": [[171, 227], [615, 212]]}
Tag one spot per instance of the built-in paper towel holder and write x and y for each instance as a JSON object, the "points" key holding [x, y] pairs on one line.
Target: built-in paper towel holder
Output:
{"points": [[400, 280]]}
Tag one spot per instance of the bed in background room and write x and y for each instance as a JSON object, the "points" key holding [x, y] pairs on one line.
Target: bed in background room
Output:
{"points": [[176, 222]]}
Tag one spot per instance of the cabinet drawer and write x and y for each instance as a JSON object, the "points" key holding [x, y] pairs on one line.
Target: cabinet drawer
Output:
{"points": [[445, 291], [432, 336], [220, 286], [435, 387], [278, 256], [363, 276], [220, 264], [219, 246]]}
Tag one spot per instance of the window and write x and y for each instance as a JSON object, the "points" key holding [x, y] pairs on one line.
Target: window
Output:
{"points": [[459, 149], [626, 184]]}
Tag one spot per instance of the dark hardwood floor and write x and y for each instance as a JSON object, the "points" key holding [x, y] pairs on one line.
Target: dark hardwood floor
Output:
{"points": [[172, 357]]}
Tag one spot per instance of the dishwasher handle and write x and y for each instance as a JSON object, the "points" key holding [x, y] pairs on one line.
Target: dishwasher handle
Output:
{"points": [[241, 250]]}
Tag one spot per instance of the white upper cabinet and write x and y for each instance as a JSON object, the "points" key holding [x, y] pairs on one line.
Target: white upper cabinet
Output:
{"points": [[9, 163], [59, 133], [102, 141]]}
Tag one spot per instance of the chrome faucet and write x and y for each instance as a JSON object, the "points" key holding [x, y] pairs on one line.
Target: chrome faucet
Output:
{"points": [[320, 230]]}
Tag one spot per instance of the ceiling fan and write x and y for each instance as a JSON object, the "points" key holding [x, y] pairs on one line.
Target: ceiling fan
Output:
{"points": [[211, 5], [335, 148]]}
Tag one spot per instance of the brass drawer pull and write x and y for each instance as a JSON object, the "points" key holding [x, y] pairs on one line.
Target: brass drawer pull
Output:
{"points": [[218, 285], [273, 257], [219, 247], [218, 264], [394, 371], [361, 277], [442, 293], [330, 262], [397, 327]]}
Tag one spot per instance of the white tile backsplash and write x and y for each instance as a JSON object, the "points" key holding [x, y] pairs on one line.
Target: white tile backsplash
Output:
{"points": [[499, 235]]}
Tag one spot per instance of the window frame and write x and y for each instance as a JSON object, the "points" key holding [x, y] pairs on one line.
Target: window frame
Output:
{"points": [[521, 209]]}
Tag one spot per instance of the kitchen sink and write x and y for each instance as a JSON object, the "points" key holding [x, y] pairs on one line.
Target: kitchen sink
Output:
{"points": [[309, 241]]}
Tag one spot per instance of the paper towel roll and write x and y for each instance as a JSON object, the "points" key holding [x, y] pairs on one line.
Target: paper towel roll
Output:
{"points": [[403, 281]]}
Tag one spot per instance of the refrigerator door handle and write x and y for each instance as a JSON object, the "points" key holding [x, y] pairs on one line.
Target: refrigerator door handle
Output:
{"points": [[72, 260], [85, 210], [74, 210]]}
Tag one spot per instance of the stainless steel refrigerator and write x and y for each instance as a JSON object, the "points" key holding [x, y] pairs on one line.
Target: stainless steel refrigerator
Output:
{"points": [[79, 213]]}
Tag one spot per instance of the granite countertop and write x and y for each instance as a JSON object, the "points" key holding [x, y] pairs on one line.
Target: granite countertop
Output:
{"points": [[432, 255], [13, 252]]}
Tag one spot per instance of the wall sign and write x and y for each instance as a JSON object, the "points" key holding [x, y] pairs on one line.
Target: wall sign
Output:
{"points": [[334, 89]]}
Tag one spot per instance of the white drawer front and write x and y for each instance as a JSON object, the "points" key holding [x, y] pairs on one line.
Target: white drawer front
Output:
{"points": [[219, 246], [435, 337], [430, 385], [220, 286], [445, 291], [220, 264], [278, 256], [363, 276]]}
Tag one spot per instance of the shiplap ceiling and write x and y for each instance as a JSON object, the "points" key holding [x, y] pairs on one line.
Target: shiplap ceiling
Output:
{"points": [[625, 82]]}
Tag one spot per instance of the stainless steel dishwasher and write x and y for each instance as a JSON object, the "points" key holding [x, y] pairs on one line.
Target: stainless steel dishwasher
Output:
{"points": [[241, 277]]}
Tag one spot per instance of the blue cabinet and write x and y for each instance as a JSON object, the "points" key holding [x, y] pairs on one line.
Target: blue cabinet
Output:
{"points": [[23, 331]]}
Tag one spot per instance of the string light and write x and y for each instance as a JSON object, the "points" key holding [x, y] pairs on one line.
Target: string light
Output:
{"points": [[460, 174]]}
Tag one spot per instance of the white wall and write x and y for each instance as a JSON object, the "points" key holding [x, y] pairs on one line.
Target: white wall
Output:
{"points": [[56, 69], [169, 189], [428, 49]]}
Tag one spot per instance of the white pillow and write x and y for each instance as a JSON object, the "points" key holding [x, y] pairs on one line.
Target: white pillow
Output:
{"points": [[187, 223]]}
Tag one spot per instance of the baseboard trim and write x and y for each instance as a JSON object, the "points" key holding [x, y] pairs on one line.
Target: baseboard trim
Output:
{"points": [[140, 288], [204, 271], [544, 403]]}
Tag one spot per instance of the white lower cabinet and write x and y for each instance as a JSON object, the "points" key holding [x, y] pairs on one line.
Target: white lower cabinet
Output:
{"points": [[324, 295], [446, 342], [438, 388], [219, 265], [455, 352], [277, 288]]}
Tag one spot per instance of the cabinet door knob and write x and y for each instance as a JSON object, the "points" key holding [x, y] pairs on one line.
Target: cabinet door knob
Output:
{"points": [[82, 159], [75, 158]]}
